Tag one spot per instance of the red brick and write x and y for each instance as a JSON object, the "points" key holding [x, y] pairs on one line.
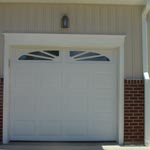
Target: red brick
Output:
{"points": [[133, 104], [134, 111]]}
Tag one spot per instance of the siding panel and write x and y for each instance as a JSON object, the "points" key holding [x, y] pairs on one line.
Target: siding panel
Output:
{"points": [[148, 41], [85, 19]]}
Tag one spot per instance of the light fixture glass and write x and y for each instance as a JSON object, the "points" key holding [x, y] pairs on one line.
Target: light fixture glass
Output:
{"points": [[65, 22]]}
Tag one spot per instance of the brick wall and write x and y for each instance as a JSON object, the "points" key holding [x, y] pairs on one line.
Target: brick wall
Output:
{"points": [[134, 112], [1, 107]]}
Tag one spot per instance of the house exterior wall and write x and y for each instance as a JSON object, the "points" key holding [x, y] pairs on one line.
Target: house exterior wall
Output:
{"points": [[84, 19], [87, 19]]}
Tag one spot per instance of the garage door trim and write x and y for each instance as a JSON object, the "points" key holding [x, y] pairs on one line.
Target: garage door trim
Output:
{"points": [[65, 41]]}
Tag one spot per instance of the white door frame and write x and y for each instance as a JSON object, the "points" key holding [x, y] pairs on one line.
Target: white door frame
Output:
{"points": [[64, 41]]}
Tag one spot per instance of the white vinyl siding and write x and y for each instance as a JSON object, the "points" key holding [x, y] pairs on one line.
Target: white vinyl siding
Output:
{"points": [[84, 19], [148, 20]]}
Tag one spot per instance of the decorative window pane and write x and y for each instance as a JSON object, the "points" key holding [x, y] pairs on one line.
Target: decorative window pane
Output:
{"points": [[26, 57], [55, 53], [95, 59], [87, 56], [74, 53], [40, 55]]}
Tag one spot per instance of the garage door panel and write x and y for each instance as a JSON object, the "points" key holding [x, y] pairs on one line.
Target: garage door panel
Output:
{"points": [[104, 93], [53, 79], [74, 128], [50, 93], [50, 104], [103, 80], [97, 116], [75, 79], [101, 105], [46, 76], [24, 108], [24, 128], [106, 131], [49, 128], [74, 103], [49, 116], [74, 115], [24, 90]]}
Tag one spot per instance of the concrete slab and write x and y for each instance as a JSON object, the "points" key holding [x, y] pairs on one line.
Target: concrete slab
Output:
{"points": [[69, 146]]}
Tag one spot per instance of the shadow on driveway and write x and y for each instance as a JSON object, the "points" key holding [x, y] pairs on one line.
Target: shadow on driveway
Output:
{"points": [[68, 146]]}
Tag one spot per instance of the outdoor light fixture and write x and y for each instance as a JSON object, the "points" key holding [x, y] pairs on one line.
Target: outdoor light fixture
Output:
{"points": [[65, 22]]}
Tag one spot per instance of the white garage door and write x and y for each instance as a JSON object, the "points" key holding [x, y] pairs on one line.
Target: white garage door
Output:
{"points": [[63, 95]]}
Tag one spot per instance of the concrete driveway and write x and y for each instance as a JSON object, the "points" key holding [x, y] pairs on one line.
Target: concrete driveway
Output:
{"points": [[69, 146]]}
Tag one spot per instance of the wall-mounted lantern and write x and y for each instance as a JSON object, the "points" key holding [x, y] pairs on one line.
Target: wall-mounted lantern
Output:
{"points": [[65, 21]]}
